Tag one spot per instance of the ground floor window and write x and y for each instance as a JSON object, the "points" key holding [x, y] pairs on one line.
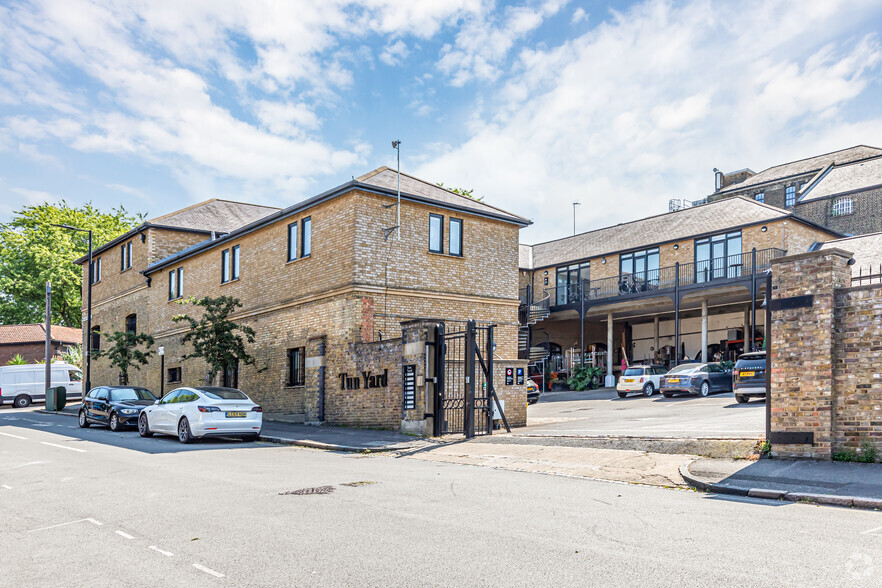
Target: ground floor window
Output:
{"points": [[231, 376], [174, 375], [297, 366]]}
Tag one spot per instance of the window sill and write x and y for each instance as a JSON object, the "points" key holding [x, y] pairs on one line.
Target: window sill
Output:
{"points": [[447, 255], [125, 270], [176, 299], [229, 282], [290, 261], [297, 387]]}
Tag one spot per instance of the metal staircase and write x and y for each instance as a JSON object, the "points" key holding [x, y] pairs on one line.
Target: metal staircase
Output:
{"points": [[531, 313]]}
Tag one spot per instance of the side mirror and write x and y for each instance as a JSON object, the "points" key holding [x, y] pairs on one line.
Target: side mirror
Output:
{"points": [[156, 401]]}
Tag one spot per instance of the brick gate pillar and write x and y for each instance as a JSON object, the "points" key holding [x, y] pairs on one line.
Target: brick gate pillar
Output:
{"points": [[803, 288]]}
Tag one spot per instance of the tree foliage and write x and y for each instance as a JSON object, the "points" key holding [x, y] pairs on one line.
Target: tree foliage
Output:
{"points": [[585, 378], [124, 353], [17, 359], [214, 337], [463, 192], [73, 356], [33, 252]]}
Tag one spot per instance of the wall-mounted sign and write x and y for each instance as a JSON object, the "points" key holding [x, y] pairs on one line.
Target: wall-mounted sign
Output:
{"points": [[408, 382], [367, 380], [520, 376], [509, 376]]}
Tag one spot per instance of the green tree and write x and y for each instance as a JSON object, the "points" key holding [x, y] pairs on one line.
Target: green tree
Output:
{"points": [[33, 252], [73, 355], [214, 337], [123, 352], [463, 192]]}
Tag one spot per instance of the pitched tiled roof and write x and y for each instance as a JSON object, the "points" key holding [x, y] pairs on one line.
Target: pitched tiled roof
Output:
{"points": [[846, 178], [714, 217], [805, 166], [866, 251], [387, 178], [36, 333], [221, 216]]}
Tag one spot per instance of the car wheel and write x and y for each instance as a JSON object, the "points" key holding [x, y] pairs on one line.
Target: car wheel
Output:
{"points": [[667, 395], [144, 426], [84, 422], [648, 389], [704, 390], [622, 394], [184, 435], [22, 401], [114, 423], [742, 399]]}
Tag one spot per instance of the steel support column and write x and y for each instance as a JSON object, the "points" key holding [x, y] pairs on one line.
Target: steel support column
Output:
{"points": [[609, 344], [704, 357], [752, 346], [677, 313], [582, 323]]}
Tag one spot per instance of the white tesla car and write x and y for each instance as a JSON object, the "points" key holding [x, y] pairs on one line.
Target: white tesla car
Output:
{"points": [[191, 413]]}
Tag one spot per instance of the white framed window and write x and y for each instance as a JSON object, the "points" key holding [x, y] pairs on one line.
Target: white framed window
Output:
{"points": [[843, 206], [760, 197], [790, 196]]}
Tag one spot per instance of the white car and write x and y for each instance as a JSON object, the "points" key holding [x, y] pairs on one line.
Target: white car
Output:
{"points": [[641, 378], [20, 385], [191, 413]]}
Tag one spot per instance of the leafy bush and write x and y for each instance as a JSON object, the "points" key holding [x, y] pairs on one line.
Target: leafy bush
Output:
{"points": [[584, 378], [17, 360], [867, 454]]}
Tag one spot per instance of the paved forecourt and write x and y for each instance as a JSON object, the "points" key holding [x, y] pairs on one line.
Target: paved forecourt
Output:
{"points": [[81, 506], [602, 412]]}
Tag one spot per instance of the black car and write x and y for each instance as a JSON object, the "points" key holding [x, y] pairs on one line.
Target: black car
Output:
{"points": [[750, 376], [114, 406]]}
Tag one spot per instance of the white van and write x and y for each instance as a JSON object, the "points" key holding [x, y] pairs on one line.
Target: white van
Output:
{"points": [[22, 384]]}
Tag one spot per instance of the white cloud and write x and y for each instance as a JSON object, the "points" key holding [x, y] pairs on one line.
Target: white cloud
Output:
{"points": [[394, 53], [579, 15], [642, 107]]}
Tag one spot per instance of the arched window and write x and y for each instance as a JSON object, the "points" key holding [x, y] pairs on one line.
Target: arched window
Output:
{"points": [[132, 323], [843, 206]]}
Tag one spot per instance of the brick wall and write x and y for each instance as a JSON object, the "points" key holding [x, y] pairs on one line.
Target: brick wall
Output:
{"points": [[32, 352], [866, 218]]}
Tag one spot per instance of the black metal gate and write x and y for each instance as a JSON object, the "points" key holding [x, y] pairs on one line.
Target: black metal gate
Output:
{"points": [[464, 392]]}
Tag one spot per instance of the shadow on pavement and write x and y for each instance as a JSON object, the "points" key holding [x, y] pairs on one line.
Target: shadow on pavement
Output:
{"points": [[69, 430]]}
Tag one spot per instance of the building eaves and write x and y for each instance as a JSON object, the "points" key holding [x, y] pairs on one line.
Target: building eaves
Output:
{"points": [[134, 232]]}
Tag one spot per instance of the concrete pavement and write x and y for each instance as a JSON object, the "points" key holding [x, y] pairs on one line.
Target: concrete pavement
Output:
{"points": [[260, 514]]}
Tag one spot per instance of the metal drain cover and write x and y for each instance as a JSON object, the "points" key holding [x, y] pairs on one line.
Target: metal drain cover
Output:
{"points": [[304, 491]]}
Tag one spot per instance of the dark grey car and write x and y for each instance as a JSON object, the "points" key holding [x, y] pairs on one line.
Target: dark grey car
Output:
{"points": [[749, 376], [700, 379]]}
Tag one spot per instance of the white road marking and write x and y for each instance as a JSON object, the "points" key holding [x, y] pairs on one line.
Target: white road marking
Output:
{"points": [[871, 531], [13, 436], [7, 487], [155, 548], [126, 535], [63, 446], [208, 570], [93, 521]]}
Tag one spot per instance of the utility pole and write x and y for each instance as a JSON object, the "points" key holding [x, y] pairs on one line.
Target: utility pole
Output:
{"points": [[48, 336], [575, 204], [90, 277]]}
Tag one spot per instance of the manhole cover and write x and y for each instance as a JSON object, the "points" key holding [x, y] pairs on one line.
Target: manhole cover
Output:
{"points": [[356, 484], [304, 491]]}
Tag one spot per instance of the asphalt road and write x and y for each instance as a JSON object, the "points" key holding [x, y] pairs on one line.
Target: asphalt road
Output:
{"points": [[92, 507], [602, 412]]}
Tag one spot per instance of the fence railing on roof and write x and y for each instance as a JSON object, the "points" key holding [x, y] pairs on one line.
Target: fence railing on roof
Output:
{"points": [[864, 276]]}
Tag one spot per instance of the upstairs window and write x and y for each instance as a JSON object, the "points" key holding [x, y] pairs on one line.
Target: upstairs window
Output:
{"points": [[761, 197], [126, 256], [292, 241], [436, 233], [225, 266], [176, 283], [96, 270], [843, 207], [234, 270], [132, 323], [306, 245], [790, 196], [297, 366], [455, 237]]}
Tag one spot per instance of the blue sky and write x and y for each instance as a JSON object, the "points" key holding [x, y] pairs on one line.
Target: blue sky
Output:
{"points": [[621, 105]]}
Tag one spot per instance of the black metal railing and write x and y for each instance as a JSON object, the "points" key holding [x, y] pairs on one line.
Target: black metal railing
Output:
{"points": [[740, 265], [866, 276]]}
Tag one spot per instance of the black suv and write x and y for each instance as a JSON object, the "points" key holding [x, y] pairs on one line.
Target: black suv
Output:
{"points": [[114, 406], [749, 376]]}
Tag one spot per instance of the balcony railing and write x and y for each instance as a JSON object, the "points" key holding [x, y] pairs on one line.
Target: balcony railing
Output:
{"points": [[710, 271]]}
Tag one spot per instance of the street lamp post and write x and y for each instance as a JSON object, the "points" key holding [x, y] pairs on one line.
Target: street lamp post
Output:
{"points": [[88, 348]]}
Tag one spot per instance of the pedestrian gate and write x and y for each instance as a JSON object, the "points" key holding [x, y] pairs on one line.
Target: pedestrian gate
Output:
{"points": [[464, 391]]}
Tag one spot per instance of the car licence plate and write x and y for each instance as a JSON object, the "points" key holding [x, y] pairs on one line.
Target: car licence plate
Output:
{"points": [[236, 415], [746, 374], [673, 380], [628, 380]]}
